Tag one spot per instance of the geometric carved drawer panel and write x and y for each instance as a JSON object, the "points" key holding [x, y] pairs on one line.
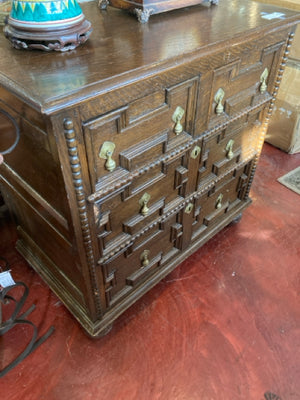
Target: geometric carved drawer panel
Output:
{"points": [[241, 80], [225, 148], [128, 269], [216, 202], [140, 131], [122, 214]]}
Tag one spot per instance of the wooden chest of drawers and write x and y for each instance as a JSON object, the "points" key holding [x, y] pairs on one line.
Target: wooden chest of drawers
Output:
{"points": [[138, 147]]}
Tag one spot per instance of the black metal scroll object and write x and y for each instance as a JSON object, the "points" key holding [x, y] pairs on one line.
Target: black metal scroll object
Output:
{"points": [[14, 122], [18, 318]]}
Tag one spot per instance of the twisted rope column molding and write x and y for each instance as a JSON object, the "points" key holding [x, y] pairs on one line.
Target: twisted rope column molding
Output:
{"points": [[270, 109], [82, 209]]}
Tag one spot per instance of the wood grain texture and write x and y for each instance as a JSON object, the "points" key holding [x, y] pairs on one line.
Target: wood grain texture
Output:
{"points": [[50, 81], [103, 225], [145, 8], [224, 325]]}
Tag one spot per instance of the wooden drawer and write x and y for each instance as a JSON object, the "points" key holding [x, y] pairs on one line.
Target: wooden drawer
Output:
{"points": [[147, 253], [134, 205], [217, 202], [141, 131], [243, 83], [223, 149], [133, 265], [122, 214]]}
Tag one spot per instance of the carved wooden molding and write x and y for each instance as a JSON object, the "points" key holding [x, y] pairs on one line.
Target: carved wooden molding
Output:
{"points": [[109, 189], [270, 108], [81, 204], [174, 210]]}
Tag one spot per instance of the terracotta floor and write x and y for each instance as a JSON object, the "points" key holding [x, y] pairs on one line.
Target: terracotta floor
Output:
{"points": [[224, 325]]}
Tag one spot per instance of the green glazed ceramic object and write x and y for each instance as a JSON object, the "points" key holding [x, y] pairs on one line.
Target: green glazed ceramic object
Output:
{"points": [[47, 25]]}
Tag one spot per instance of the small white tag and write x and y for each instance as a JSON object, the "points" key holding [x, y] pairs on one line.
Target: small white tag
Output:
{"points": [[6, 279], [274, 15]]}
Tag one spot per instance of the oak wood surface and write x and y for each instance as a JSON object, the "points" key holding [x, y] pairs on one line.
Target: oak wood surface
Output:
{"points": [[150, 7], [224, 325], [121, 50], [183, 157]]}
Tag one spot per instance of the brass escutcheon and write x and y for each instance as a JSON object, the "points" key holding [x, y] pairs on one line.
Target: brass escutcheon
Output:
{"points": [[229, 149], [143, 202], [177, 116], [195, 152], [219, 201], [145, 258], [219, 96], [263, 81], [106, 153], [189, 208]]}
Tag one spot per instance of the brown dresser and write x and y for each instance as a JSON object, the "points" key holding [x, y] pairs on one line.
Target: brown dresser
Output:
{"points": [[137, 147]]}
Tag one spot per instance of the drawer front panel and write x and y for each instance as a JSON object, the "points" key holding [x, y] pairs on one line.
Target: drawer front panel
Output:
{"points": [[126, 211], [226, 148], [131, 268], [142, 130], [122, 214], [214, 204], [244, 82], [149, 252]]}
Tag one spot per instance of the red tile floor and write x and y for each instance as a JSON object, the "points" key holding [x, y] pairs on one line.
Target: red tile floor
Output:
{"points": [[225, 325]]}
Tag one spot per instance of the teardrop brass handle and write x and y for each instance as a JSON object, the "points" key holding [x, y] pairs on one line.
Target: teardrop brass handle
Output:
{"points": [[229, 149], [143, 202], [263, 81], [110, 164], [106, 153], [145, 258], [177, 117], [219, 96], [219, 201]]}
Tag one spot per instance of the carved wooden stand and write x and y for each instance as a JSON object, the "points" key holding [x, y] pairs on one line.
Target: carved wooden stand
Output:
{"points": [[62, 39]]}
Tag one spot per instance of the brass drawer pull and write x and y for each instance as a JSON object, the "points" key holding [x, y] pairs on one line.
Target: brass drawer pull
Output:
{"points": [[145, 258], [144, 200], [229, 149], [219, 201], [219, 96], [177, 117], [263, 81], [106, 153]]}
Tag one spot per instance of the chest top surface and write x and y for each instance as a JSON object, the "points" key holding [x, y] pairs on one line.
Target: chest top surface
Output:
{"points": [[121, 50]]}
